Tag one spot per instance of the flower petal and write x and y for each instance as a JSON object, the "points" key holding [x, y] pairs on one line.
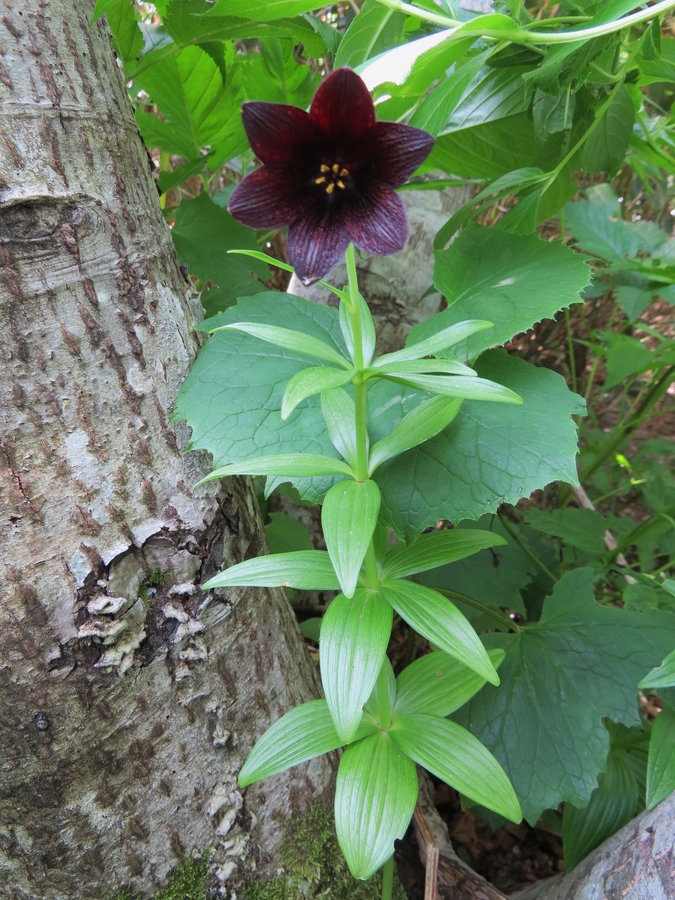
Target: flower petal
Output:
{"points": [[377, 223], [280, 133], [399, 150], [343, 107], [317, 241], [267, 198]]}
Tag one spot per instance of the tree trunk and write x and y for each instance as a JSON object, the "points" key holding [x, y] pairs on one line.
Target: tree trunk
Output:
{"points": [[128, 699]]}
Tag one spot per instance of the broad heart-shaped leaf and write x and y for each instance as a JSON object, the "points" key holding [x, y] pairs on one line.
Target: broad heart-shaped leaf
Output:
{"points": [[422, 423], [301, 734], [309, 570], [314, 380], [441, 623], [232, 396], [559, 679], [437, 685], [375, 795], [437, 548], [511, 279], [454, 755], [202, 234], [348, 519], [492, 453], [352, 647], [661, 764]]}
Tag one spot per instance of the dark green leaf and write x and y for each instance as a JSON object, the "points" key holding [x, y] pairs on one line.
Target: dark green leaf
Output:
{"points": [[374, 30], [375, 795], [581, 660], [605, 149], [285, 534], [582, 528], [661, 765]]}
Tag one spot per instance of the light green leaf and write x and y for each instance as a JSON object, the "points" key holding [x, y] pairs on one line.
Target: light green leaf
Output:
{"points": [[352, 647], [441, 623], [263, 12], [661, 764], [437, 548], [315, 380], [305, 569], [420, 425], [438, 342], [464, 387], [301, 734], [582, 660], [514, 280], [419, 367], [368, 336], [286, 464], [375, 795], [490, 454], [340, 416], [273, 261], [373, 31], [437, 685], [662, 676], [295, 341], [348, 519], [454, 755]]}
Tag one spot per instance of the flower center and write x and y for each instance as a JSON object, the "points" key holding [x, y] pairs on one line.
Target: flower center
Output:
{"points": [[331, 177]]}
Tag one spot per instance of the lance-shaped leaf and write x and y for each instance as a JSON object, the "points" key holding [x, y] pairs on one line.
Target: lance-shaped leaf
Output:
{"points": [[312, 381], [368, 336], [309, 570], [375, 795], [339, 414], [437, 685], [352, 647], [420, 367], [661, 763], [454, 755], [301, 734], [437, 548], [443, 340], [419, 425], [348, 519], [457, 386], [441, 623], [282, 464], [662, 676], [296, 341]]}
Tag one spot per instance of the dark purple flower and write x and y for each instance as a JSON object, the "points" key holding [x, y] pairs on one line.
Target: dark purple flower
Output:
{"points": [[329, 175]]}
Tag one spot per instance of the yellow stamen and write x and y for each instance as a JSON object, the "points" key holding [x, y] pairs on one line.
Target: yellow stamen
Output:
{"points": [[330, 188], [319, 180], [336, 168], [340, 184], [325, 168], [343, 172]]}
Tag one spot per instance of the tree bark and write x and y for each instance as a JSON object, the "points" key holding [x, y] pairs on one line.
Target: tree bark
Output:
{"points": [[128, 699]]}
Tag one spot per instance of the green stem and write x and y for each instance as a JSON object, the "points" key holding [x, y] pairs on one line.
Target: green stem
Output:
{"points": [[481, 607], [531, 36], [387, 878], [524, 547]]}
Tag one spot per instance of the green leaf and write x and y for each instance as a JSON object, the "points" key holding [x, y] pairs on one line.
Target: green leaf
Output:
{"points": [[202, 234], [348, 519], [316, 380], [490, 454], [295, 341], [455, 756], [123, 22], [514, 280], [437, 548], [626, 357], [375, 795], [301, 734], [419, 367], [264, 12], [232, 396], [285, 534], [286, 464], [441, 623], [352, 647], [305, 569], [437, 685], [582, 528], [464, 387], [605, 149], [581, 660], [340, 416], [440, 341], [420, 425], [662, 676], [373, 31], [661, 764], [368, 336]]}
